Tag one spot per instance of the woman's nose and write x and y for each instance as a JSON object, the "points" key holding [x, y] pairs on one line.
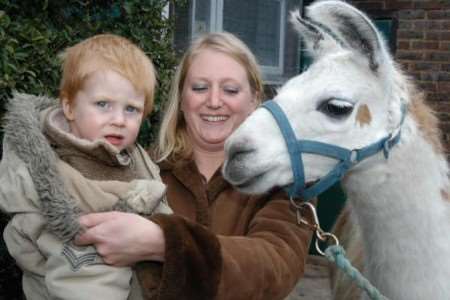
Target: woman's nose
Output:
{"points": [[214, 99]]}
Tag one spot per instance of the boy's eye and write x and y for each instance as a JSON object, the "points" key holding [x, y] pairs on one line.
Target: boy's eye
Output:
{"points": [[101, 103], [131, 109]]}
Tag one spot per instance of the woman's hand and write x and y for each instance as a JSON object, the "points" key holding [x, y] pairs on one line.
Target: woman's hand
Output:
{"points": [[122, 239]]}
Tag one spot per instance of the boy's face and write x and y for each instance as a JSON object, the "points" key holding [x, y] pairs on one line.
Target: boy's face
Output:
{"points": [[107, 107]]}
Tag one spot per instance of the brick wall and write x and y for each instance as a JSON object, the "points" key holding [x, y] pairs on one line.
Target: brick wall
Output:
{"points": [[422, 47]]}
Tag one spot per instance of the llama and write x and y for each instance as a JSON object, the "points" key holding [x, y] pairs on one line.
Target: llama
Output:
{"points": [[352, 96]]}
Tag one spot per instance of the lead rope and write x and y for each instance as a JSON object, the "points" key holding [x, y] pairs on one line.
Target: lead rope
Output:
{"points": [[334, 253]]}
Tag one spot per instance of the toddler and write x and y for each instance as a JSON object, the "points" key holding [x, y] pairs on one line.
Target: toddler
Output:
{"points": [[79, 156]]}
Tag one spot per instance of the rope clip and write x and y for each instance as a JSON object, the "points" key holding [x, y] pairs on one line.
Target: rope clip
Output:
{"points": [[321, 235]]}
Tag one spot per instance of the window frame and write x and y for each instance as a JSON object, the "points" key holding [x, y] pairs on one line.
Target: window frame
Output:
{"points": [[216, 25]]}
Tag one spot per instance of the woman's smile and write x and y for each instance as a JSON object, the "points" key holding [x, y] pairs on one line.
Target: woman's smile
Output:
{"points": [[216, 98], [214, 118]]}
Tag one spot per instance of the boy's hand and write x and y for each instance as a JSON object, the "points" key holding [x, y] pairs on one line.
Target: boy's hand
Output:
{"points": [[122, 239]]}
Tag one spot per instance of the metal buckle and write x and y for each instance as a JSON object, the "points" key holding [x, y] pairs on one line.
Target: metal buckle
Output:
{"points": [[321, 235], [354, 156]]}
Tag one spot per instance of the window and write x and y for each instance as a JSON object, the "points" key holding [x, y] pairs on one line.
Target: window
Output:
{"points": [[261, 24]]}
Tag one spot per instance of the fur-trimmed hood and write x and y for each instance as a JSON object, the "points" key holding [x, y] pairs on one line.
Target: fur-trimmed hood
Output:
{"points": [[24, 137]]}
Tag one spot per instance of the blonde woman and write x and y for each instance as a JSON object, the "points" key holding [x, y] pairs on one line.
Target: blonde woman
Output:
{"points": [[219, 244]]}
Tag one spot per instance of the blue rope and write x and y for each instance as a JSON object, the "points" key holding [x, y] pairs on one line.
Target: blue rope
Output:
{"points": [[336, 254], [346, 158]]}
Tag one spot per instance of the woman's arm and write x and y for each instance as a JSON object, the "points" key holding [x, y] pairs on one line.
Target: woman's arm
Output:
{"points": [[269, 259], [262, 263], [122, 239]]}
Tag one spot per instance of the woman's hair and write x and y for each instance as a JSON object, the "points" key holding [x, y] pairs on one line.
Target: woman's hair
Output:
{"points": [[173, 141], [107, 52]]}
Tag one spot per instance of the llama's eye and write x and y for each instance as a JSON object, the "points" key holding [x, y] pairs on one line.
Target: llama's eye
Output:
{"points": [[337, 109]]}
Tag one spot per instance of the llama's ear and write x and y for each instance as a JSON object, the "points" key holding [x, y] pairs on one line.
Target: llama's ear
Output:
{"points": [[316, 40], [352, 27]]}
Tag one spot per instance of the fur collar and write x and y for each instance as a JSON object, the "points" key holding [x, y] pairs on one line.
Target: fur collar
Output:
{"points": [[57, 129], [23, 136]]}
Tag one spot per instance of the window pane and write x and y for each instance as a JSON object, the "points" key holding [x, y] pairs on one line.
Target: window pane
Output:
{"points": [[202, 17], [257, 22]]}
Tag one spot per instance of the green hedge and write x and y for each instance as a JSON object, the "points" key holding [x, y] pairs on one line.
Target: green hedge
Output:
{"points": [[33, 32]]}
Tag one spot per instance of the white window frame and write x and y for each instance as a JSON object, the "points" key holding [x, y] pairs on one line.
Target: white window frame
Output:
{"points": [[216, 25]]}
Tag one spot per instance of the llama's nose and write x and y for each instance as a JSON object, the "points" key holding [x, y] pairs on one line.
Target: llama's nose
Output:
{"points": [[238, 155], [237, 151]]}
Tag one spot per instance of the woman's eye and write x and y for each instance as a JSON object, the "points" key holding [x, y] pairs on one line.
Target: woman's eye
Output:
{"points": [[199, 88], [337, 109], [231, 90]]}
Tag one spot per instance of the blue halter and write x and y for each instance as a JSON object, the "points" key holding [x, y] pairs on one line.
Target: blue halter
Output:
{"points": [[347, 158]]}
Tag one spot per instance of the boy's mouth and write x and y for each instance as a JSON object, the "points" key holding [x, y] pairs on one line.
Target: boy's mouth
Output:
{"points": [[114, 139]]}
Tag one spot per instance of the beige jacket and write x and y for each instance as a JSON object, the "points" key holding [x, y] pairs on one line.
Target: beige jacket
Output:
{"points": [[45, 196]]}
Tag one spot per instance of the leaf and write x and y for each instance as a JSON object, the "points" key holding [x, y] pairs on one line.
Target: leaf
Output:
{"points": [[30, 73]]}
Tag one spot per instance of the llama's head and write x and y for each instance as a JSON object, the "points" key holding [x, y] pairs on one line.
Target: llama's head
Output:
{"points": [[350, 96]]}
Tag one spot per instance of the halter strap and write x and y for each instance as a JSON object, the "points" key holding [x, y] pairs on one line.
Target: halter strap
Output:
{"points": [[293, 147], [347, 158]]}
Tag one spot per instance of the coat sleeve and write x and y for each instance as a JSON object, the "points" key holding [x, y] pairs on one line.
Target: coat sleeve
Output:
{"points": [[192, 263], [268, 261], [18, 199], [17, 192], [263, 264]]}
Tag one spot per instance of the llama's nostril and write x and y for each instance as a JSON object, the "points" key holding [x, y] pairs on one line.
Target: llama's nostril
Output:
{"points": [[238, 151], [234, 169]]}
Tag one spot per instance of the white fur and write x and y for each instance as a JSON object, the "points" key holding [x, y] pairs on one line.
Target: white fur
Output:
{"points": [[398, 203]]}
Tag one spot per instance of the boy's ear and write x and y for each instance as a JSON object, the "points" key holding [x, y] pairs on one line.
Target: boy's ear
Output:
{"points": [[67, 109]]}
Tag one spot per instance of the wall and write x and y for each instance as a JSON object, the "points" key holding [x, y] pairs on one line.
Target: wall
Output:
{"points": [[422, 47]]}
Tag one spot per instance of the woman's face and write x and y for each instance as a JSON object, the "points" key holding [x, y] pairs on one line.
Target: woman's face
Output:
{"points": [[216, 99]]}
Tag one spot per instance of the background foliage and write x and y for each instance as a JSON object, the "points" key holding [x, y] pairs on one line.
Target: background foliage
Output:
{"points": [[33, 32]]}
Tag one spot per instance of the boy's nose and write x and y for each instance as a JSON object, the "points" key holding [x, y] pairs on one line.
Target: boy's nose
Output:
{"points": [[118, 118]]}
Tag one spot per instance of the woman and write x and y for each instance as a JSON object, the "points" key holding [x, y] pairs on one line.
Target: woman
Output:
{"points": [[219, 244]]}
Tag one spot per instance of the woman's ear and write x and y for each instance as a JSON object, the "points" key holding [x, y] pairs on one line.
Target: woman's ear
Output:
{"points": [[67, 109], [255, 101]]}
